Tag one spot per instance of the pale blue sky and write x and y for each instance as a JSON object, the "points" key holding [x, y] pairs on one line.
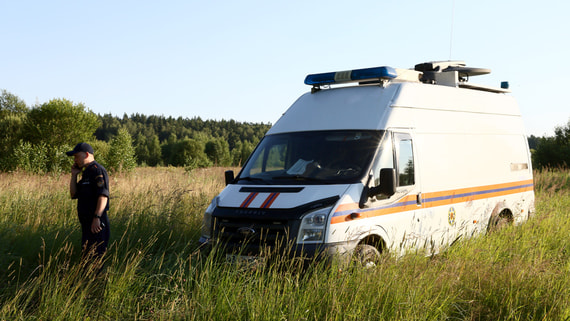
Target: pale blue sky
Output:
{"points": [[246, 60]]}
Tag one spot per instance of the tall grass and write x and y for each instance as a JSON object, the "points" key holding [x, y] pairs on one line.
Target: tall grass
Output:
{"points": [[155, 269]]}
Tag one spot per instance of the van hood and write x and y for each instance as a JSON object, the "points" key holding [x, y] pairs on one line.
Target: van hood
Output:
{"points": [[276, 197]]}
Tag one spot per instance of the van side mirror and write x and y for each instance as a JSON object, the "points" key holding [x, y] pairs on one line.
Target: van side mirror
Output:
{"points": [[387, 183], [387, 186], [229, 175]]}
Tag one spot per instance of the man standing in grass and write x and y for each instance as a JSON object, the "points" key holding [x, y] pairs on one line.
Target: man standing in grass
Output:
{"points": [[92, 194]]}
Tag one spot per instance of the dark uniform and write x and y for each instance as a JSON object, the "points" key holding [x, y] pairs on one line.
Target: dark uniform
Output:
{"points": [[94, 182]]}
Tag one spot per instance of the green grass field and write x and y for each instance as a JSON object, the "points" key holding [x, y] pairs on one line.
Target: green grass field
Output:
{"points": [[155, 270]]}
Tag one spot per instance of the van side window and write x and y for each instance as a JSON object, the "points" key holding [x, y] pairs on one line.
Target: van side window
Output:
{"points": [[405, 161]]}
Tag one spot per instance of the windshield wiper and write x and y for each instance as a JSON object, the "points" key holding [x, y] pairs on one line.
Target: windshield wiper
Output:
{"points": [[297, 178], [251, 179]]}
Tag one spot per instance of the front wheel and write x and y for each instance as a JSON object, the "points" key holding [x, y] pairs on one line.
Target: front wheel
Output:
{"points": [[366, 255]]}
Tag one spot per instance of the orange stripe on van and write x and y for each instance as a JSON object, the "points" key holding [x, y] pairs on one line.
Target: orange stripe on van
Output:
{"points": [[409, 203], [342, 214], [475, 193]]}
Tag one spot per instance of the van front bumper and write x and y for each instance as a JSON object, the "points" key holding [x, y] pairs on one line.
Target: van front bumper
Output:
{"points": [[307, 251]]}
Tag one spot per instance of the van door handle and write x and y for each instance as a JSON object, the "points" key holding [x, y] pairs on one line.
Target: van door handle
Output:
{"points": [[419, 199]]}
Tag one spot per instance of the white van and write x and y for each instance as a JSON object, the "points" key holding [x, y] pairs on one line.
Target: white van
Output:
{"points": [[380, 160]]}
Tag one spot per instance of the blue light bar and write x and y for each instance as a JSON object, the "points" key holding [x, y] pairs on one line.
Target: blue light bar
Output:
{"points": [[338, 77]]}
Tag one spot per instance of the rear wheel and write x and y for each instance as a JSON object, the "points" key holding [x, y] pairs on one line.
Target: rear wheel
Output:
{"points": [[500, 221]]}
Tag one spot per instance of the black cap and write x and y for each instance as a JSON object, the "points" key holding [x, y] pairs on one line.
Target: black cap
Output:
{"points": [[81, 147]]}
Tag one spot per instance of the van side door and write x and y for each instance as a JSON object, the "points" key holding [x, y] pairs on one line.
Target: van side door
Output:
{"points": [[408, 185], [403, 225]]}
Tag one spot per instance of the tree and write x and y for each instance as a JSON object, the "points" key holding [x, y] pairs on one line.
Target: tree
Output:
{"points": [[148, 149], [187, 152], [141, 149], [562, 134], [13, 112], [241, 152], [60, 122], [154, 151], [218, 152], [533, 142], [121, 153], [10, 103], [109, 127], [102, 151], [553, 151]]}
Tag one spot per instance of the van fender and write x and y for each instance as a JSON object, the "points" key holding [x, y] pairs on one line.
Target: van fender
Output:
{"points": [[501, 216], [375, 236]]}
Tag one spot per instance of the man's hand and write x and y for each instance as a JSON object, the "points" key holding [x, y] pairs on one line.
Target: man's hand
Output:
{"points": [[75, 169], [96, 226]]}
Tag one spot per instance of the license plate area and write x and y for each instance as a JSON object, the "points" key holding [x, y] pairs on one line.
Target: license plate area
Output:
{"points": [[245, 260]]}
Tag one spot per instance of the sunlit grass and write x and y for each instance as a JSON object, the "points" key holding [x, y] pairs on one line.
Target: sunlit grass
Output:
{"points": [[155, 269]]}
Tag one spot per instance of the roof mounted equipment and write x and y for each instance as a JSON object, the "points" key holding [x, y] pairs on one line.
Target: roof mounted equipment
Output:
{"points": [[454, 74], [356, 75]]}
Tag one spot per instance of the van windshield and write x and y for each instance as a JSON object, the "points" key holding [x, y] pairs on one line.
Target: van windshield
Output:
{"points": [[314, 157]]}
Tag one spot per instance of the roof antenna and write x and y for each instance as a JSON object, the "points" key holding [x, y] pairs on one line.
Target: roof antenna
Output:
{"points": [[451, 32]]}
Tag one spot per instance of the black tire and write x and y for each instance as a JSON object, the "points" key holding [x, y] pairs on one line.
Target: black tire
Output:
{"points": [[500, 221], [366, 255]]}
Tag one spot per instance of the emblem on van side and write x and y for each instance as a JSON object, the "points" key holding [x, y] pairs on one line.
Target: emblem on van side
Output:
{"points": [[451, 216]]}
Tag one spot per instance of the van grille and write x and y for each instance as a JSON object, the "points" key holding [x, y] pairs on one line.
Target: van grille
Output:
{"points": [[236, 234], [251, 231]]}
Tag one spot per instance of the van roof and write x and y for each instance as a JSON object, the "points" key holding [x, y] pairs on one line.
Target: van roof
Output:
{"points": [[399, 105], [444, 73]]}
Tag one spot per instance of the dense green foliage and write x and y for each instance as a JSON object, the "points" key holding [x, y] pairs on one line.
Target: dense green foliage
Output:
{"points": [[60, 122], [160, 140], [34, 139], [157, 271], [13, 112], [121, 152], [552, 151]]}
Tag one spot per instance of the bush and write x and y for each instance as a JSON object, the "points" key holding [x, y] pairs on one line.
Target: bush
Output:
{"points": [[101, 150], [186, 152], [38, 158], [121, 153]]}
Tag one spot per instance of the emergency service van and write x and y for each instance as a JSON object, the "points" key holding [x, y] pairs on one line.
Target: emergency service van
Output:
{"points": [[379, 160]]}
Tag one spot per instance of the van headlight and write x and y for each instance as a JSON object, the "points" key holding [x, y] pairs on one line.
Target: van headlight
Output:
{"points": [[207, 222], [313, 226]]}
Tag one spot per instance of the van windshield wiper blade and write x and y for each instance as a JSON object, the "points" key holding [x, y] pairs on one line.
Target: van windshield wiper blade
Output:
{"points": [[297, 178], [251, 179]]}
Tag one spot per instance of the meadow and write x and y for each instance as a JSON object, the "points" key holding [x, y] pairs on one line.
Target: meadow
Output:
{"points": [[155, 269]]}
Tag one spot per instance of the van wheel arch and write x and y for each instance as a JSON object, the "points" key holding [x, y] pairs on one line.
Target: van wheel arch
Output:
{"points": [[500, 219], [369, 250]]}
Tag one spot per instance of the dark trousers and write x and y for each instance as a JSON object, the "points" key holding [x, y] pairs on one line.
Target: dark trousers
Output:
{"points": [[95, 242]]}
